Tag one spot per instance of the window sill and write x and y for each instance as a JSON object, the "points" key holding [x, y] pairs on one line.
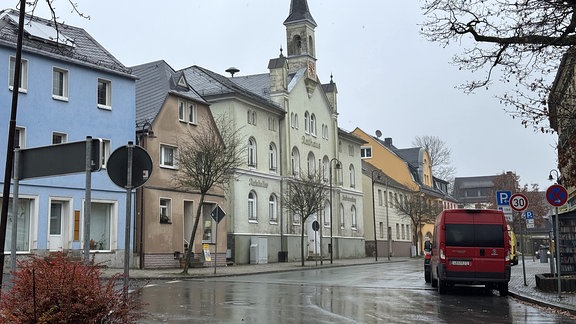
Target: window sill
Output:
{"points": [[21, 90], [104, 107], [60, 98], [166, 222]]}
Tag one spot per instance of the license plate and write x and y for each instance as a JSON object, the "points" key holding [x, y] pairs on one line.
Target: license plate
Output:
{"points": [[460, 263]]}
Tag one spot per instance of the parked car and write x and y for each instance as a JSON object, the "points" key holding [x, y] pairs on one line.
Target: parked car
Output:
{"points": [[470, 247]]}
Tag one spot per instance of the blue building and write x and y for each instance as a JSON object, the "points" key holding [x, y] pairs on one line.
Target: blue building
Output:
{"points": [[71, 88]]}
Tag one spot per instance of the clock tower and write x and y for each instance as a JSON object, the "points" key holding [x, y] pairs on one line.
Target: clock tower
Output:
{"points": [[300, 40]]}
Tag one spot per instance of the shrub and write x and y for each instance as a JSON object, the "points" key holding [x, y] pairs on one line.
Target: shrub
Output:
{"points": [[57, 290]]}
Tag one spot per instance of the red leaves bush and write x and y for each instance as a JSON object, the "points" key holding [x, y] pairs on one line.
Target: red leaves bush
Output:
{"points": [[58, 290]]}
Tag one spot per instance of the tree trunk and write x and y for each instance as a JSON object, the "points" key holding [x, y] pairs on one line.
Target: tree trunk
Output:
{"points": [[302, 243], [193, 234]]}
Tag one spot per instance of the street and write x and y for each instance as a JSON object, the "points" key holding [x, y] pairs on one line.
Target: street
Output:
{"points": [[373, 293]]}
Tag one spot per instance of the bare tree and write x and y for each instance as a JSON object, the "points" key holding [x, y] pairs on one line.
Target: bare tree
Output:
{"points": [[520, 43], [419, 210], [304, 197], [208, 158], [440, 156]]}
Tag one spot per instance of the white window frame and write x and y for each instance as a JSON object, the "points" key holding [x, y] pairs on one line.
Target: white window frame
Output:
{"points": [[23, 88], [252, 207], [165, 210], [164, 150], [354, 216], [352, 176], [105, 151], [63, 137], [366, 152], [186, 111], [313, 129], [273, 157], [273, 208], [306, 123], [108, 96], [63, 73], [20, 137], [252, 146]]}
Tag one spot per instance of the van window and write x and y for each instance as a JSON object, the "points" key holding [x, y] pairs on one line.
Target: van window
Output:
{"points": [[485, 235]]}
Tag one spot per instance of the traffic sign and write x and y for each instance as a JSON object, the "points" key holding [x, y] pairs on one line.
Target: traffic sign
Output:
{"points": [[556, 195], [518, 202], [117, 166], [217, 214], [503, 198], [529, 215]]}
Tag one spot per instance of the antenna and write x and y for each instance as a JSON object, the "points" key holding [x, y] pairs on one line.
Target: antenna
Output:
{"points": [[378, 133]]}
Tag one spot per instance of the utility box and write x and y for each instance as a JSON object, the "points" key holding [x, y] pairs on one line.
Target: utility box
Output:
{"points": [[258, 250]]}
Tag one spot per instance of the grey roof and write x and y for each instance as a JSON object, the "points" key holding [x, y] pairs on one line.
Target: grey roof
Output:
{"points": [[410, 155], [155, 81], [299, 11], [211, 85], [73, 44], [367, 169]]}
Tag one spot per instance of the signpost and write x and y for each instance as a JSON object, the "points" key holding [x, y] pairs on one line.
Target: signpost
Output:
{"points": [[519, 203], [557, 196], [503, 202], [217, 214]]}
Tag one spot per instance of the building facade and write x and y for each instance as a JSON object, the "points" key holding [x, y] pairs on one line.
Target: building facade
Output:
{"points": [[71, 88]]}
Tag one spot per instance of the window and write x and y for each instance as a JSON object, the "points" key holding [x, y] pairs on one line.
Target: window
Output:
{"points": [[296, 220], [104, 94], [23, 229], [306, 123], [325, 168], [186, 111], [325, 131], [381, 228], [397, 231], [23, 75], [252, 117], [252, 206], [58, 138], [352, 176], [273, 208], [313, 125], [296, 125], [380, 202], [351, 150], [390, 199], [342, 216], [311, 164], [403, 233], [167, 156], [353, 215], [252, 152], [272, 124], [208, 226], [165, 211], [19, 137], [272, 156], [295, 161], [59, 84], [327, 213], [100, 225], [366, 152], [105, 151]]}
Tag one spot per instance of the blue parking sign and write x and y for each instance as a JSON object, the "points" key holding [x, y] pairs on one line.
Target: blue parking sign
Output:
{"points": [[529, 214], [503, 198]]}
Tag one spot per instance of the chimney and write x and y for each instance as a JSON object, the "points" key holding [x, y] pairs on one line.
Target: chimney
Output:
{"points": [[388, 141]]}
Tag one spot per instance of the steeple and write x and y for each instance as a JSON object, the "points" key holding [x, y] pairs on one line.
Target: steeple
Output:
{"points": [[300, 38], [299, 11]]}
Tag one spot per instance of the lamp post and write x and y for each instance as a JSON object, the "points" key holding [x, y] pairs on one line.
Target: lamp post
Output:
{"points": [[337, 166], [141, 134], [556, 234], [374, 215], [388, 232]]}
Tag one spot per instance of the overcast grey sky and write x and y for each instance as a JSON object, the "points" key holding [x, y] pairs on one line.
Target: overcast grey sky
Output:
{"points": [[389, 78]]}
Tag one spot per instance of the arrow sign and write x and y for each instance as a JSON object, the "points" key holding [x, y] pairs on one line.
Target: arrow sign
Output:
{"points": [[556, 195]]}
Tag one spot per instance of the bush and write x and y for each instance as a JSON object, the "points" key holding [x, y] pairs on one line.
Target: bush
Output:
{"points": [[58, 290]]}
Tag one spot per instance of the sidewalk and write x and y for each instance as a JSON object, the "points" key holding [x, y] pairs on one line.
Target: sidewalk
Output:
{"points": [[517, 289]]}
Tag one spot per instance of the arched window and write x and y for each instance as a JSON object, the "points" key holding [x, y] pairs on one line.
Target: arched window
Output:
{"points": [[311, 163], [325, 168], [272, 157], [296, 121], [313, 125], [306, 123], [352, 176], [273, 208], [252, 206], [327, 213], [297, 45], [295, 161], [311, 46], [353, 216], [252, 152], [342, 217]]}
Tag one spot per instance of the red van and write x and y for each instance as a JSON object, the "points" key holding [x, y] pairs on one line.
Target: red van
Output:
{"points": [[470, 247]]}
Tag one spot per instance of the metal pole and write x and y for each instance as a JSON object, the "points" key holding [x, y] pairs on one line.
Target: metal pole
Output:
{"points": [[15, 206], [87, 200], [331, 221], [374, 218], [522, 247], [388, 232], [128, 216], [216, 246], [557, 241]]}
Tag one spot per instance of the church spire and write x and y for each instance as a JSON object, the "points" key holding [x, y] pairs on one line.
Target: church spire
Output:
{"points": [[299, 11]]}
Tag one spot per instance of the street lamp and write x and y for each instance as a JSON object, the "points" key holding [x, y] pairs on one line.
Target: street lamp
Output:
{"points": [[374, 215], [338, 166]]}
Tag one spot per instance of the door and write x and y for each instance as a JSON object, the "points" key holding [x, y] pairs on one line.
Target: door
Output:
{"points": [[56, 226]]}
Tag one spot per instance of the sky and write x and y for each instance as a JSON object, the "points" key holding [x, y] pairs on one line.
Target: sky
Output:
{"points": [[389, 77]]}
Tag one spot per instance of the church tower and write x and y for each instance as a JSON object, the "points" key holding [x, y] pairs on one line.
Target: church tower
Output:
{"points": [[300, 39]]}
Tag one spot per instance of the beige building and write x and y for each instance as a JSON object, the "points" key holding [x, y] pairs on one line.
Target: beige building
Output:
{"points": [[167, 110]]}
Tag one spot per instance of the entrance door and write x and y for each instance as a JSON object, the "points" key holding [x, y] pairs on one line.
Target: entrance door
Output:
{"points": [[188, 222], [313, 236], [56, 226]]}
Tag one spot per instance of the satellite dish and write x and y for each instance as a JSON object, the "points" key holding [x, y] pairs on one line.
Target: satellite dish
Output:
{"points": [[378, 133]]}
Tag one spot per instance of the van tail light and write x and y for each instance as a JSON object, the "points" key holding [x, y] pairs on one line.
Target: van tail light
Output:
{"points": [[508, 255], [442, 255]]}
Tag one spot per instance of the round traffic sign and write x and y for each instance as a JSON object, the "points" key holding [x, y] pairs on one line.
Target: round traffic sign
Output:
{"points": [[556, 195], [315, 226], [518, 202], [117, 166]]}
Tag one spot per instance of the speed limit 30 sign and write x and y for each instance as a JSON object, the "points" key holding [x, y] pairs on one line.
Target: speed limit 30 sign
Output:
{"points": [[518, 202]]}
